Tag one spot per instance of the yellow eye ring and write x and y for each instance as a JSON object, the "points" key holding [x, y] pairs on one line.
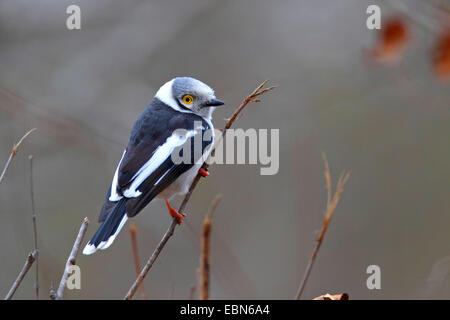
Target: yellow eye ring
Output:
{"points": [[188, 99]]}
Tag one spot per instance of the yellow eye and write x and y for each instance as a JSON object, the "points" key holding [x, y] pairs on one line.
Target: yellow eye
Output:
{"points": [[188, 99]]}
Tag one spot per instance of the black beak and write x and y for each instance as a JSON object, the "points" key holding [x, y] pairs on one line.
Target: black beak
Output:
{"points": [[214, 103]]}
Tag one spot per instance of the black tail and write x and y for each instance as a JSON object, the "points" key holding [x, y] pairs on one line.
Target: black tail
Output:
{"points": [[109, 229]]}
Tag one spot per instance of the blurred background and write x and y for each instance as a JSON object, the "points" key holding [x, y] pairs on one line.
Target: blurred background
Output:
{"points": [[389, 124]]}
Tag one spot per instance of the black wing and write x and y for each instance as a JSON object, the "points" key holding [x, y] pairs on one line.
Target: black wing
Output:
{"points": [[151, 131]]}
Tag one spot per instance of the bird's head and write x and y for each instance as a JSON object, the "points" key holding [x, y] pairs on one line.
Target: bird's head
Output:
{"points": [[189, 94]]}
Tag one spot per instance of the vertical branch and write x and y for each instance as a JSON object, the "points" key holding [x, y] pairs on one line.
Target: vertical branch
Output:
{"points": [[252, 97], [34, 219], [14, 151], [72, 258], [203, 274], [137, 262], [52, 293], [28, 263], [131, 292], [332, 202]]}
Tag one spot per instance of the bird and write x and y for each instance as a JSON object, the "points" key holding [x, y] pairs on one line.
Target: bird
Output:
{"points": [[180, 112]]}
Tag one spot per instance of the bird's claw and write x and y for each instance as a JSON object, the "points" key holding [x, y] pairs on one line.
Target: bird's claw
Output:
{"points": [[175, 214], [203, 172]]}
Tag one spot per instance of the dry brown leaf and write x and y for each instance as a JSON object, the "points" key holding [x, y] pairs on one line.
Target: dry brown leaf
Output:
{"points": [[342, 296], [392, 40], [441, 55]]}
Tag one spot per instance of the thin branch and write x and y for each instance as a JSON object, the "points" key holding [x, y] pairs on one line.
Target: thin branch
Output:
{"points": [[14, 151], [228, 270], [34, 219], [252, 97], [327, 178], [72, 258], [52, 293], [150, 262], [332, 203], [203, 274], [28, 263], [137, 262]]}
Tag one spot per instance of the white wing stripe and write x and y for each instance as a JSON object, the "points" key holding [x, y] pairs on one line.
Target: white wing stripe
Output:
{"points": [[162, 153], [114, 195]]}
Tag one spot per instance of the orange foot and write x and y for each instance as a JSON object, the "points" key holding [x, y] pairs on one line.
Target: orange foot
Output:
{"points": [[175, 214], [203, 172]]}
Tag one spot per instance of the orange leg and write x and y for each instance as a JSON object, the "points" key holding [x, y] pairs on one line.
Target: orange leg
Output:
{"points": [[175, 214], [203, 172]]}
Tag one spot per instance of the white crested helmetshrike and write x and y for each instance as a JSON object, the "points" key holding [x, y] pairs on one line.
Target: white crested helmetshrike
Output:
{"points": [[146, 169]]}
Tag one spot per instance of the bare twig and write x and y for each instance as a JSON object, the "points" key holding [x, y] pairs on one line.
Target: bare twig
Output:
{"points": [[72, 257], [252, 97], [152, 259], [28, 263], [52, 294], [14, 151], [34, 218], [137, 262], [228, 271], [332, 202], [203, 274]]}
